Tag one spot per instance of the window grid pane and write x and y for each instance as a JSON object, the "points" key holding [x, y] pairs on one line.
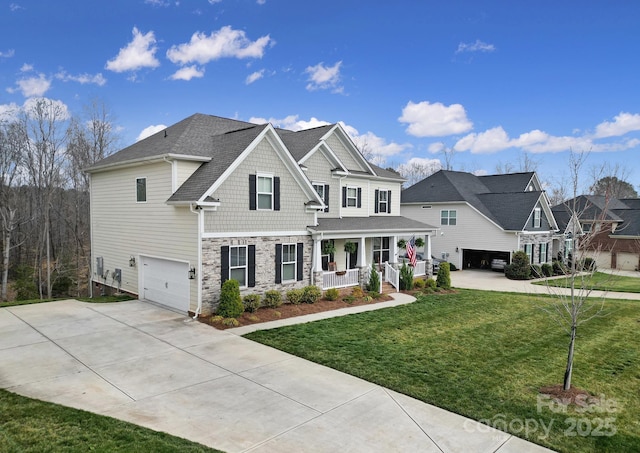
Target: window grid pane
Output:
{"points": [[238, 264], [288, 262]]}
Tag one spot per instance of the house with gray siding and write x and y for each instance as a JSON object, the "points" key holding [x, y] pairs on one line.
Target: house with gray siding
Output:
{"points": [[209, 199], [484, 217]]}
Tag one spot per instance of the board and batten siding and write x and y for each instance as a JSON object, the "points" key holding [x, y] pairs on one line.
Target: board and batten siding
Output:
{"points": [[233, 214], [122, 227], [472, 231]]}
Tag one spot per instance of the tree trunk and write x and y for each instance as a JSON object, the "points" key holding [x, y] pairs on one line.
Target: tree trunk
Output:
{"points": [[569, 369], [6, 240]]}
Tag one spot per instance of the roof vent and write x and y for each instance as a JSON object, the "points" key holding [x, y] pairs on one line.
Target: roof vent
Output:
{"points": [[165, 133]]}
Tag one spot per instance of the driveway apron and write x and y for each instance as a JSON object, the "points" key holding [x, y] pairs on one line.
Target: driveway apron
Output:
{"points": [[141, 363]]}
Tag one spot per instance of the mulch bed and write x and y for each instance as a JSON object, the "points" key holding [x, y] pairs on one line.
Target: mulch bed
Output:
{"points": [[289, 310], [574, 396]]}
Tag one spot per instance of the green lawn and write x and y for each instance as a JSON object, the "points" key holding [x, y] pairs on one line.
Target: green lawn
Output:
{"points": [[485, 355], [28, 425], [599, 281]]}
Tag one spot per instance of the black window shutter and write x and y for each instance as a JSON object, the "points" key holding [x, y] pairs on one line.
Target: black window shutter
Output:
{"points": [[326, 197], [224, 260], [300, 261], [359, 197], [377, 200], [251, 266], [344, 197], [276, 193], [253, 192], [388, 202], [278, 263]]}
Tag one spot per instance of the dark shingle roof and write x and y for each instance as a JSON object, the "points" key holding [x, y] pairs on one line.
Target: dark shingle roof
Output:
{"points": [[189, 137], [225, 149], [598, 208], [501, 198], [301, 142]]}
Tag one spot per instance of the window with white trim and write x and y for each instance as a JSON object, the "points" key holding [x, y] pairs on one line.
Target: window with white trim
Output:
{"points": [[528, 249], [265, 192], [288, 262], [380, 249], [141, 190], [322, 190], [536, 218], [352, 197], [543, 253], [383, 201], [448, 217], [238, 264]]}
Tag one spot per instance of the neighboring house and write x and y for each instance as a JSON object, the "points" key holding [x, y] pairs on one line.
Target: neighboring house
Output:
{"points": [[607, 229], [209, 199], [483, 217]]}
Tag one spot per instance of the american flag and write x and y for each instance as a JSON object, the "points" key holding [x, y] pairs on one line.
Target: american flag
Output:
{"points": [[411, 251]]}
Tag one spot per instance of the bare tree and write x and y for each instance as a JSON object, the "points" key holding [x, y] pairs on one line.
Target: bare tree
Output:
{"points": [[574, 307], [12, 152], [45, 139], [417, 169], [525, 163], [447, 154]]}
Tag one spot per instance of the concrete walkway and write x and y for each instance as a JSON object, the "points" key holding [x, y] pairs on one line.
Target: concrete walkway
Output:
{"points": [[496, 281], [150, 366]]}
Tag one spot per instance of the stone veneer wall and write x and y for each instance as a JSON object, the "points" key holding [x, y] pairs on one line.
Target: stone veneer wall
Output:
{"points": [[535, 240], [265, 266]]}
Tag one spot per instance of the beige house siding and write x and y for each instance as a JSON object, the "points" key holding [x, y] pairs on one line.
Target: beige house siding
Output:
{"points": [[184, 169], [233, 215], [343, 154], [122, 228], [366, 206], [395, 189], [319, 171], [472, 231]]}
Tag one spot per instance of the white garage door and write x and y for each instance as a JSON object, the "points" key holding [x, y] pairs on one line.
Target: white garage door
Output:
{"points": [[166, 282]]}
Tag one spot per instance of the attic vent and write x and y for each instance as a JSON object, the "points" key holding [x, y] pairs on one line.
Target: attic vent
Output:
{"points": [[426, 206]]}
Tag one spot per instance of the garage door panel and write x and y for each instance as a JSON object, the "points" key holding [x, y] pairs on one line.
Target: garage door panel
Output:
{"points": [[166, 282]]}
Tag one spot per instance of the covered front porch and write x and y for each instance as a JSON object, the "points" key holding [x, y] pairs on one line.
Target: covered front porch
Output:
{"points": [[344, 249]]}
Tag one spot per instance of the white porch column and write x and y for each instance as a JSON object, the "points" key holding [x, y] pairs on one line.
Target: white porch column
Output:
{"points": [[362, 253], [393, 249], [428, 247], [317, 255]]}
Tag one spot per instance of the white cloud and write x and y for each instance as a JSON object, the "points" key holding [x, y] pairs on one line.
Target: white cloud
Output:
{"points": [[26, 68], [157, 3], [435, 120], [621, 125], [290, 122], [139, 53], [261, 2], [323, 77], [15, 7], [8, 54], [254, 77], [33, 86], [188, 73], [478, 46], [225, 42], [149, 131], [489, 141], [9, 112], [373, 145], [83, 79]]}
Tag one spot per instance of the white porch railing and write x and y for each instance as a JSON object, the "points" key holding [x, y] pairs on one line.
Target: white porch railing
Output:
{"points": [[420, 268], [340, 279], [391, 275]]}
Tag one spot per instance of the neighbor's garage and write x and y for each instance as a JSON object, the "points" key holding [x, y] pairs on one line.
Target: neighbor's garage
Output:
{"points": [[165, 282], [481, 259]]}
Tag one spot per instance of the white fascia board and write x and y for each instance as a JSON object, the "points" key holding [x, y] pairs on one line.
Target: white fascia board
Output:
{"points": [[145, 160], [188, 157], [248, 234], [339, 234], [346, 140]]}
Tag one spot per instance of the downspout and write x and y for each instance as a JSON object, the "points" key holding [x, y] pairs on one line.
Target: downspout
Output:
{"points": [[199, 213]]}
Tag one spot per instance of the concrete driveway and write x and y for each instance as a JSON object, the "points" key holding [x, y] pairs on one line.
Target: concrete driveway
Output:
{"points": [[150, 366]]}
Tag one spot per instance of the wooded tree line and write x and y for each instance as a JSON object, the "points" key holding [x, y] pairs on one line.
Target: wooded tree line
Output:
{"points": [[44, 196]]}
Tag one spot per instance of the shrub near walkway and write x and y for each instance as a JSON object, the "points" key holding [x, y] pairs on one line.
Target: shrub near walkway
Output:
{"points": [[485, 355]]}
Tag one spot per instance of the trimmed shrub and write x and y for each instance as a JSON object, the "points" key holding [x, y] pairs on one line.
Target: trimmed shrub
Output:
{"points": [[251, 302], [357, 292], [406, 278], [589, 265], [230, 305], [536, 271], [547, 270], [418, 283], [374, 294], [230, 322], [430, 283], [311, 294], [443, 280], [332, 294], [272, 299], [294, 296], [559, 268], [452, 267], [519, 269], [348, 299], [374, 280]]}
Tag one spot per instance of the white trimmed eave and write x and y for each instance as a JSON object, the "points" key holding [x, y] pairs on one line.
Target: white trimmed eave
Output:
{"points": [[145, 160], [340, 234], [346, 140], [375, 178]]}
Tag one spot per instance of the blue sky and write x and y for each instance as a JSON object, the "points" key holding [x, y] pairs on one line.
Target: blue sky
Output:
{"points": [[489, 79]]}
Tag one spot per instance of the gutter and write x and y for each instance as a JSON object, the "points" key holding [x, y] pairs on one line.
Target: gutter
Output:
{"points": [[198, 211]]}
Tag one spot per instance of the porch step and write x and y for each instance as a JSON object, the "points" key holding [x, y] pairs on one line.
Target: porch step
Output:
{"points": [[388, 288]]}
